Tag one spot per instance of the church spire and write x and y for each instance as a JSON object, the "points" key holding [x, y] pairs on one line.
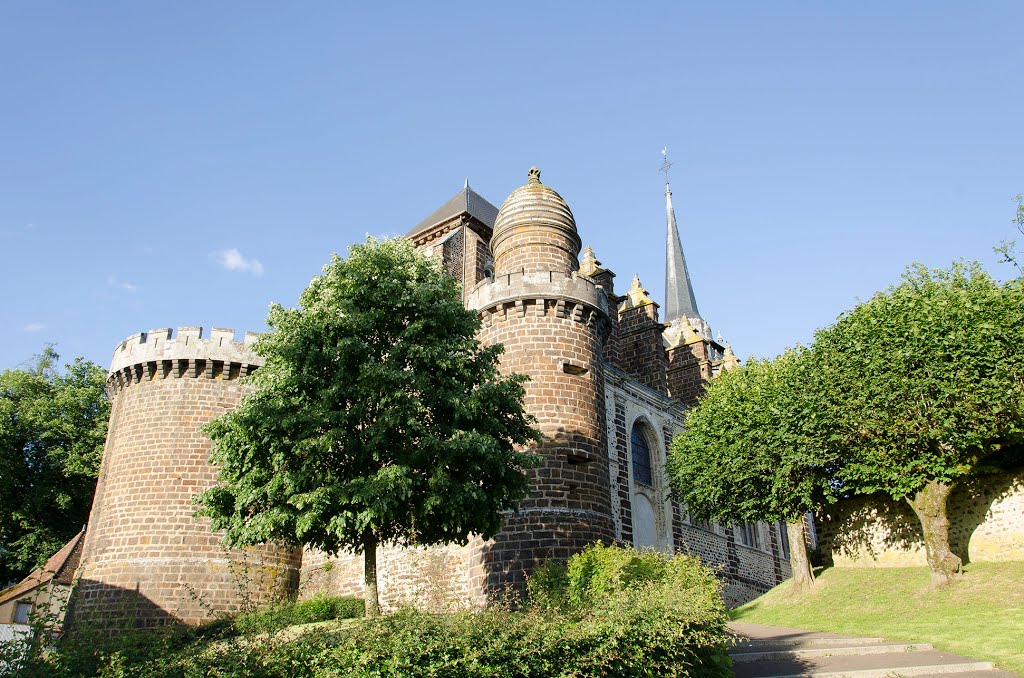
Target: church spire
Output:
{"points": [[679, 298]]}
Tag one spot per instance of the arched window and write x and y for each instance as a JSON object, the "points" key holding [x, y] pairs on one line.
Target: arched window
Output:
{"points": [[641, 449]]}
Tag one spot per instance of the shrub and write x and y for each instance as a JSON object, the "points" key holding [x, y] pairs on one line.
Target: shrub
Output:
{"points": [[548, 586], [602, 575], [316, 609], [323, 608], [641, 614], [643, 639], [601, 571]]}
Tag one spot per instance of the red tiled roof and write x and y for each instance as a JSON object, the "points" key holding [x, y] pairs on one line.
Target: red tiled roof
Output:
{"points": [[60, 569]]}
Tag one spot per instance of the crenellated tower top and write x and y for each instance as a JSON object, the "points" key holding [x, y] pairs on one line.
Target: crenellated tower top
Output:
{"points": [[161, 354]]}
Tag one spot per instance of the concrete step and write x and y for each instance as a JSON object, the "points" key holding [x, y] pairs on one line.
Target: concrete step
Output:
{"points": [[884, 665], [795, 643], [780, 652], [772, 652], [756, 632]]}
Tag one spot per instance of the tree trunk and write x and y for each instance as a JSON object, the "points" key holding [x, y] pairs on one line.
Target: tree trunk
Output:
{"points": [[799, 560], [930, 506], [370, 575]]}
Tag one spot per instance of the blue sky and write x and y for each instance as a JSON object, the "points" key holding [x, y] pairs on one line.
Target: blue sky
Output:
{"points": [[188, 163]]}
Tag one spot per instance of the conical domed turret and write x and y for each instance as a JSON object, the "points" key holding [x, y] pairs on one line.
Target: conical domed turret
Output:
{"points": [[535, 231], [553, 326]]}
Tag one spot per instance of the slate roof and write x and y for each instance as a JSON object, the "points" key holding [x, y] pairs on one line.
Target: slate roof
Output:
{"points": [[680, 300], [466, 201], [60, 569]]}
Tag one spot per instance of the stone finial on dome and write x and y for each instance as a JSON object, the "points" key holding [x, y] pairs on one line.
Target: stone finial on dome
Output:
{"points": [[589, 265], [535, 231]]}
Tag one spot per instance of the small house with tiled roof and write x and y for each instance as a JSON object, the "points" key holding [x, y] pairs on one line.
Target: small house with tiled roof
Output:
{"points": [[45, 590]]}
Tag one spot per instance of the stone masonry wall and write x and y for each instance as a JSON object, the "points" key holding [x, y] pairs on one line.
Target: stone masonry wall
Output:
{"points": [[688, 372], [986, 516], [146, 559], [746, 571], [553, 327], [641, 351], [435, 578]]}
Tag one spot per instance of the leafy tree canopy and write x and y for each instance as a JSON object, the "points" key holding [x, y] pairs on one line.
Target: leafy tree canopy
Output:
{"points": [[926, 380], [751, 449], [926, 383], [756, 448], [52, 428], [377, 419]]}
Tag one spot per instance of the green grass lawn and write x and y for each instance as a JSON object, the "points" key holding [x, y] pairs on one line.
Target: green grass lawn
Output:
{"points": [[981, 617]]}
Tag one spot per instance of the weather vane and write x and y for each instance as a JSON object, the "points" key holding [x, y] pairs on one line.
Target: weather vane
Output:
{"points": [[666, 164]]}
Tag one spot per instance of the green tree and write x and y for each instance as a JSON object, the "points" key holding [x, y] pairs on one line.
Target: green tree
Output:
{"points": [[926, 383], [52, 428], [378, 418], [1008, 248], [756, 448]]}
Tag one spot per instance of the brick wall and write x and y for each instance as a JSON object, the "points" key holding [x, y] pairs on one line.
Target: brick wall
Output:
{"points": [[146, 559], [641, 351], [536, 249], [535, 231], [606, 280], [688, 371], [559, 344]]}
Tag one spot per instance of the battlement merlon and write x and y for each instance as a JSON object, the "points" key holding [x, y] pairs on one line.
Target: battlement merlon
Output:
{"points": [[538, 285], [188, 344]]}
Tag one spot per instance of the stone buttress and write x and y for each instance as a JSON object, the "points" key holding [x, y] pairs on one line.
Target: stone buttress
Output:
{"points": [[147, 560]]}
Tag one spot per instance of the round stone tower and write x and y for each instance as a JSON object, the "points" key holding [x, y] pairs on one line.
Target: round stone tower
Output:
{"points": [[146, 559], [553, 324]]}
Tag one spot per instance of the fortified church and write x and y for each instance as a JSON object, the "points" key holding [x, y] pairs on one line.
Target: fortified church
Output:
{"points": [[610, 380]]}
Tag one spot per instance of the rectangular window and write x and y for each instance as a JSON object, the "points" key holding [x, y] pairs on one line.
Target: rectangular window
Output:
{"points": [[704, 525], [748, 535], [784, 539], [22, 612]]}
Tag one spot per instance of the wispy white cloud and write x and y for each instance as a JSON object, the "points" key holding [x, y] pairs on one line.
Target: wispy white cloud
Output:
{"points": [[33, 327], [17, 230], [121, 284], [233, 260]]}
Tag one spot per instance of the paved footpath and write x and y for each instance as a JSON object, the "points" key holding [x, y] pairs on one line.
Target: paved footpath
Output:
{"points": [[778, 652]]}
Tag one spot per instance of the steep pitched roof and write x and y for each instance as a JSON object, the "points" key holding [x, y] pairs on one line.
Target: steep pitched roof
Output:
{"points": [[466, 201], [679, 298], [60, 569]]}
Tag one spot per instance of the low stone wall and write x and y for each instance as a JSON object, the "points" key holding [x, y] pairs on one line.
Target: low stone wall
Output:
{"points": [[986, 516], [435, 578]]}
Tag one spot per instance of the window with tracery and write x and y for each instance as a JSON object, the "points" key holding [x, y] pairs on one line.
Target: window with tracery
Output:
{"points": [[749, 536], [641, 450]]}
